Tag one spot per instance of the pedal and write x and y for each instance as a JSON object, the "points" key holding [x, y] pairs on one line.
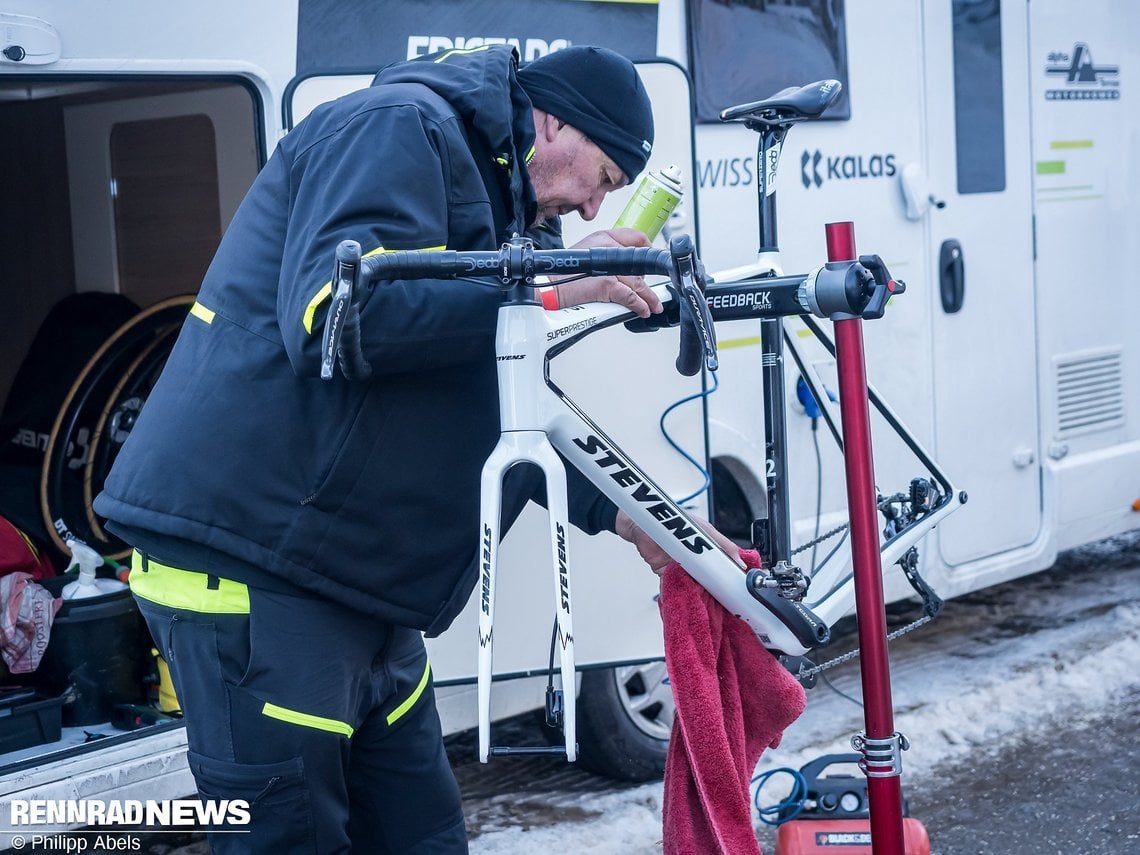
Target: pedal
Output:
{"points": [[789, 581]]}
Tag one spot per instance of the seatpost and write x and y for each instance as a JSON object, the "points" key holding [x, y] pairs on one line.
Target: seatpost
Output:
{"points": [[770, 140], [778, 546]]}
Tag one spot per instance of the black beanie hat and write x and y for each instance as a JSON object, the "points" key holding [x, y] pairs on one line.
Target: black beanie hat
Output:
{"points": [[598, 92]]}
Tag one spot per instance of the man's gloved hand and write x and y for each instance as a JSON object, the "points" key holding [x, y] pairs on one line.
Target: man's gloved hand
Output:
{"points": [[654, 555], [629, 291]]}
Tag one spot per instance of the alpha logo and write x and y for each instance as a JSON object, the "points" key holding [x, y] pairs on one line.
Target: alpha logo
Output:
{"points": [[817, 167], [486, 592], [1084, 80], [658, 506]]}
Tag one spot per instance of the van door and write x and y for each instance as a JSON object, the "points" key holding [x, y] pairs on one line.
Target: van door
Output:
{"points": [[985, 383]]}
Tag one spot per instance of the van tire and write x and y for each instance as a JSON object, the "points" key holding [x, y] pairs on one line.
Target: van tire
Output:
{"points": [[624, 716]]}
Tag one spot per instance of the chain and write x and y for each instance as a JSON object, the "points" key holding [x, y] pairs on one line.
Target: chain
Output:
{"points": [[808, 673], [821, 538], [931, 603]]}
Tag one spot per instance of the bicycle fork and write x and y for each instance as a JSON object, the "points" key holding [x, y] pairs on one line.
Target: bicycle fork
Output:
{"points": [[526, 446]]}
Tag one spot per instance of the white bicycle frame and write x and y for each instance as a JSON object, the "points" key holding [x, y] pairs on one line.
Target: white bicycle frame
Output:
{"points": [[539, 422], [538, 419]]}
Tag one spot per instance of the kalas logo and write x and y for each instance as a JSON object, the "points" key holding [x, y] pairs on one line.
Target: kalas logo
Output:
{"points": [[816, 167]]}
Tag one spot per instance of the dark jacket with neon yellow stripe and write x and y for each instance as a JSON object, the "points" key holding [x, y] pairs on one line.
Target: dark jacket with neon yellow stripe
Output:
{"points": [[363, 492]]}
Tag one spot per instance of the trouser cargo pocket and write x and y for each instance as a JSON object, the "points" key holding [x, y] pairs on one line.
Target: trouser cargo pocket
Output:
{"points": [[280, 816]]}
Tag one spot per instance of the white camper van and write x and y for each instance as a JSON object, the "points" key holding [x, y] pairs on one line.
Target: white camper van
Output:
{"points": [[985, 148]]}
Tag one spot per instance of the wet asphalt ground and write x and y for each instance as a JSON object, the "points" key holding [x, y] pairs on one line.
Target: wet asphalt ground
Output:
{"points": [[1075, 791]]}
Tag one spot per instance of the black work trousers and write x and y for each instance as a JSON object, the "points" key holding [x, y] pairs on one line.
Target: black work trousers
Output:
{"points": [[321, 718]]}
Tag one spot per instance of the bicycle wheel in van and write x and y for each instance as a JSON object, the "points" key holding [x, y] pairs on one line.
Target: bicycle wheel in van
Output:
{"points": [[120, 411], [95, 418]]}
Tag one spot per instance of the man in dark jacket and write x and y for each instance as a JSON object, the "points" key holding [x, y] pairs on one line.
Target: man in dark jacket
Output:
{"points": [[294, 537]]}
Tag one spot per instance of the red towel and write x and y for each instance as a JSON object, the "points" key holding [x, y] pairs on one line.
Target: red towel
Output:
{"points": [[733, 701]]}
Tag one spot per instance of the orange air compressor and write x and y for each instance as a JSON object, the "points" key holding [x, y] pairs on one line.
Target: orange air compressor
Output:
{"points": [[833, 817]]}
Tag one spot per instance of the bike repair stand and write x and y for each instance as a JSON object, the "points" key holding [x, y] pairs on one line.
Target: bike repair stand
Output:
{"points": [[880, 745]]}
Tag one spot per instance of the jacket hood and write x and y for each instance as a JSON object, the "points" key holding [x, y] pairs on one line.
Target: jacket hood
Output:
{"points": [[482, 87]]}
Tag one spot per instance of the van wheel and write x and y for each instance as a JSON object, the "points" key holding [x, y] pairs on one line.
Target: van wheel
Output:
{"points": [[624, 717]]}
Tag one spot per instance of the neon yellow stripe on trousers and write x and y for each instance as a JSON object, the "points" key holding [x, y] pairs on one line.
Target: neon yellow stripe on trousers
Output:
{"points": [[305, 720], [399, 711]]}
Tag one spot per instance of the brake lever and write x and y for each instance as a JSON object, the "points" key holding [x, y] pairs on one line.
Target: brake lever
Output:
{"points": [[695, 318], [342, 324]]}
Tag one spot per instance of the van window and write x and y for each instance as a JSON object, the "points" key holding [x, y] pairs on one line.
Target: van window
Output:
{"points": [[747, 50], [979, 119], [164, 185]]}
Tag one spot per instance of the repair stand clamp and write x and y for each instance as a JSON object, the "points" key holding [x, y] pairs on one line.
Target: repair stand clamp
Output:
{"points": [[882, 757]]}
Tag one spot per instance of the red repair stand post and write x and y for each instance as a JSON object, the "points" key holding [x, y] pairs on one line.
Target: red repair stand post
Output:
{"points": [[880, 745]]}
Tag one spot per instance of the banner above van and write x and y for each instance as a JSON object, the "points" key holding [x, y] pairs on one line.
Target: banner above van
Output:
{"points": [[335, 35]]}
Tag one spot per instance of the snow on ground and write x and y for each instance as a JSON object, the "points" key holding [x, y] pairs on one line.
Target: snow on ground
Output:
{"points": [[997, 665]]}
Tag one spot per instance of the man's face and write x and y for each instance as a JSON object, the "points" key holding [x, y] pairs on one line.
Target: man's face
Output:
{"points": [[569, 172]]}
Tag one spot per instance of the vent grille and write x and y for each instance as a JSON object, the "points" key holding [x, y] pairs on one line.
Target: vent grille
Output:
{"points": [[1090, 393]]}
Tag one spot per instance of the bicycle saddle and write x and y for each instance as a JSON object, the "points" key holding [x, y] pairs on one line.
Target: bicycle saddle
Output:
{"points": [[794, 104]]}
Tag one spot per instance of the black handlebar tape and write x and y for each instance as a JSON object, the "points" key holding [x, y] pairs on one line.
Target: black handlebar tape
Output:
{"points": [[690, 350], [427, 264], [350, 354]]}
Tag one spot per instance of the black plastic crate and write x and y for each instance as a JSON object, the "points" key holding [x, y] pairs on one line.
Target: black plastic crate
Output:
{"points": [[28, 718]]}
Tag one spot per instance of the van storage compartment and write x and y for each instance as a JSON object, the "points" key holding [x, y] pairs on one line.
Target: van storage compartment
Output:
{"points": [[28, 718], [126, 186]]}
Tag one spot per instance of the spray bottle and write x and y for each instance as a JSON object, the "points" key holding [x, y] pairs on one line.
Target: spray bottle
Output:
{"points": [[88, 561], [652, 202]]}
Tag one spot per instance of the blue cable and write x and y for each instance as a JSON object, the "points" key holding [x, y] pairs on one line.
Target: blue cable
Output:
{"points": [[794, 801], [704, 393]]}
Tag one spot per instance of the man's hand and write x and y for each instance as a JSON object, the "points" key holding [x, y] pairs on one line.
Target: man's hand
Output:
{"points": [[629, 291], [654, 555]]}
